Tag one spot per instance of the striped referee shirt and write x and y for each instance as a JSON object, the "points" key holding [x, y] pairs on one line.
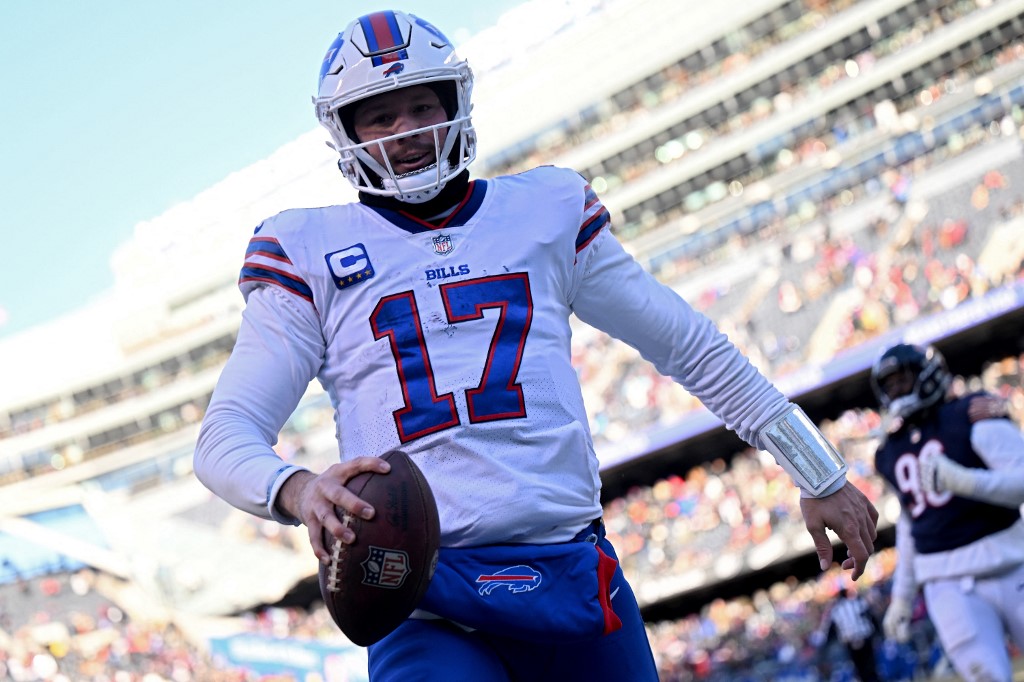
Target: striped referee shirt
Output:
{"points": [[851, 620]]}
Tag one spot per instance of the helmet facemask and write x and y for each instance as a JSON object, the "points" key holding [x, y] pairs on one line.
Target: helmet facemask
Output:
{"points": [[369, 175]]}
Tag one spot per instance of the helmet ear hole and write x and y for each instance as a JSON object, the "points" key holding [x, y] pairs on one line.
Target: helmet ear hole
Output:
{"points": [[346, 118], [445, 91]]}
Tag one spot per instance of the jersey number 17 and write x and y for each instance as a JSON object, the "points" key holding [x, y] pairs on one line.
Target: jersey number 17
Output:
{"points": [[498, 395]]}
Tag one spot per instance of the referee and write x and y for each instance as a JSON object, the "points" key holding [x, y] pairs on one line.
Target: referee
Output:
{"points": [[850, 619]]}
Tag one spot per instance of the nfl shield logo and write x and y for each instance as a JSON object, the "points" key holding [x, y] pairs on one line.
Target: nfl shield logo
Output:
{"points": [[443, 245], [385, 568]]}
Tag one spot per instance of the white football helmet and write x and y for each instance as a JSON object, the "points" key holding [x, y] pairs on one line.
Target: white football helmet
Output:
{"points": [[380, 52]]}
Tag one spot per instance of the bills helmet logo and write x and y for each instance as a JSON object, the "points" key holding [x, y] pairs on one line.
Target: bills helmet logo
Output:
{"points": [[515, 578], [385, 568], [394, 69], [433, 29]]}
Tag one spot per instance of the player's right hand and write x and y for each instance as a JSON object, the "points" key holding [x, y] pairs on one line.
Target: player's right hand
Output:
{"points": [[896, 622], [312, 499]]}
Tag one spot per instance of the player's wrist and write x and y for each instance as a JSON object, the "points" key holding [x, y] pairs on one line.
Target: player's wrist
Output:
{"points": [[835, 487], [804, 453], [291, 491]]}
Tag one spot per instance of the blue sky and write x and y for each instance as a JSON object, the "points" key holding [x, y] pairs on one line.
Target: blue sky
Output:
{"points": [[113, 111]]}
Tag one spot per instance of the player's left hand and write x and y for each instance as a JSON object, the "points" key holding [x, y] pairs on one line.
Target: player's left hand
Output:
{"points": [[896, 622], [940, 474], [853, 518]]}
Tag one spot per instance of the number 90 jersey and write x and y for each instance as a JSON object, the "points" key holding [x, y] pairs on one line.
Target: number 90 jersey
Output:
{"points": [[940, 521], [452, 342]]}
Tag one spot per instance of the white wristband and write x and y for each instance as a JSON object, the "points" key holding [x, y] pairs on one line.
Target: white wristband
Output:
{"points": [[801, 449]]}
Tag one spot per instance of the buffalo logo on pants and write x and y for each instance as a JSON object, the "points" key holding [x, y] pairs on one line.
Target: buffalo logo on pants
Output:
{"points": [[515, 578]]}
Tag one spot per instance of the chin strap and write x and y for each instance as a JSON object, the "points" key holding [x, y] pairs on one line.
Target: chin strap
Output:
{"points": [[398, 183], [453, 192]]}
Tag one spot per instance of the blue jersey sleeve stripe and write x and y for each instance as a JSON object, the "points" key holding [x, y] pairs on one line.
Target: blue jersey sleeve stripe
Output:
{"points": [[266, 246], [269, 255], [282, 279], [591, 228]]}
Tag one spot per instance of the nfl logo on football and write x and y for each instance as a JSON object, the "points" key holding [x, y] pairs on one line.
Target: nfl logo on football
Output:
{"points": [[385, 568], [443, 245]]}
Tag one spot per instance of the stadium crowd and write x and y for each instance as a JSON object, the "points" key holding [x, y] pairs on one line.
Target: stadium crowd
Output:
{"points": [[767, 636], [829, 290], [729, 57], [816, 143], [71, 638]]}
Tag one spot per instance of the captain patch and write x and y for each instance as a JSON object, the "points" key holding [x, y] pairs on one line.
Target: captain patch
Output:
{"points": [[349, 266]]}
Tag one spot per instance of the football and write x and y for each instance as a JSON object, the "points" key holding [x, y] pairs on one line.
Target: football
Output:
{"points": [[372, 585]]}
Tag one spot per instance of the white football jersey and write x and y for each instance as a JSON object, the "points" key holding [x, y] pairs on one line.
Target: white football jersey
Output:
{"points": [[452, 342]]}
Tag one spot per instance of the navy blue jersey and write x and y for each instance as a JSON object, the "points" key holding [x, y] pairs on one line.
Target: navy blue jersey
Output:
{"points": [[939, 521]]}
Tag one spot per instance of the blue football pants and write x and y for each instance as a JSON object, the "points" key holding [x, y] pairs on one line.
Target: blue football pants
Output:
{"points": [[438, 650]]}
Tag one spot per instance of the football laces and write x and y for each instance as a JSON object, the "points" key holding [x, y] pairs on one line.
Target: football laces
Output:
{"points": [[338, 551]]}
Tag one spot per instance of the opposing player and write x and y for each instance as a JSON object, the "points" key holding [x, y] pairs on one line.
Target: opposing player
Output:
{"points": [[435, 312], [957, 464]]}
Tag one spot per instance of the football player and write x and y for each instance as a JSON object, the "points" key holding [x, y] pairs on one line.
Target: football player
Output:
{"points": [[957, 465], [435, 313]]}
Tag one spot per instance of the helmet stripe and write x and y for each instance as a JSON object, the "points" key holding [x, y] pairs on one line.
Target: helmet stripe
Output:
{"points": [[381, 31]]}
